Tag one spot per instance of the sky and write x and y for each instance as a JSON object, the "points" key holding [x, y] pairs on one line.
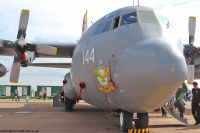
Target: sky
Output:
{"points": [[61, 21]]}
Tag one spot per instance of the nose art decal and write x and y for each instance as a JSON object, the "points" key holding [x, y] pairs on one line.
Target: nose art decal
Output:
{"points": [[103, 79]]}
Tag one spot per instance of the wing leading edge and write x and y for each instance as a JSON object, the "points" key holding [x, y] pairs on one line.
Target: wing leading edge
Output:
{"points": [[64, 50], [51, 65]]}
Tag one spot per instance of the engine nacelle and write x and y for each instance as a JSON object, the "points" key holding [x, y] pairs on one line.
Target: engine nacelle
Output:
{"points": [[3, 70], [69, 90], [29, 58]]}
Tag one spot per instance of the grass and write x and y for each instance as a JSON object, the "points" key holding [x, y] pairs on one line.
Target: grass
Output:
{"points": [[24, 100]]}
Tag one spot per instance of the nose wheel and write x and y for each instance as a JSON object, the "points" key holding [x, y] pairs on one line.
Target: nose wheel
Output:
{"points": [[143, 120], [125, 121]]}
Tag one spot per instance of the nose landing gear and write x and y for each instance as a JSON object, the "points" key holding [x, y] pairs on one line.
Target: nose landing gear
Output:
{"points": [[143, 121], [69, 104], [126, 119]]}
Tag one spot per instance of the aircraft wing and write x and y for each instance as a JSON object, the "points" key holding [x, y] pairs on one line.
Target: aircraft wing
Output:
{"points": [[52, 65], [6, 51], [64, 50]]}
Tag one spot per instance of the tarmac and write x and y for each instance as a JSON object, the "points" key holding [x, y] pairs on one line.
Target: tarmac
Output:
{"points": [[42, 117]]}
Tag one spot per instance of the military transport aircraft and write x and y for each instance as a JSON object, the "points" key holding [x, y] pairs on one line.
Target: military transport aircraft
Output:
{"points": [[129, 60]]}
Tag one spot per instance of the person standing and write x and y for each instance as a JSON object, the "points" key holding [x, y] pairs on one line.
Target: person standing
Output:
{"points": [[45, 93], [196, 103], [163, 112], [40, 95], [180, 97], [15, 95]]}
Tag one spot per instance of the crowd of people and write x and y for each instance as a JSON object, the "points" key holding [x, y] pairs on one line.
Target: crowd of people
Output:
{"points": [[40, 95], [177, 101]]}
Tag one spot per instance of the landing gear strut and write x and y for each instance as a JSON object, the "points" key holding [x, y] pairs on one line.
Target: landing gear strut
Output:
{"points": [[68, 104], [143, 120], [125, 121]]}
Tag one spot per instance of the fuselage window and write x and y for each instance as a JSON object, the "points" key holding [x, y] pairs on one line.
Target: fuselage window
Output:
{"points": [[163, 21], [107, 26], [128, 19], [147, 17]]}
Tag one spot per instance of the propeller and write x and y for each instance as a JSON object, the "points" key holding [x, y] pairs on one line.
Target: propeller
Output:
{"points": [[20, 46], [191, 51]]}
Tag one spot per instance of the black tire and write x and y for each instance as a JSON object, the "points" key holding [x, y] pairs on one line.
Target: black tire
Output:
{"points": [[68, 104], [143, 120], [125, 121]]}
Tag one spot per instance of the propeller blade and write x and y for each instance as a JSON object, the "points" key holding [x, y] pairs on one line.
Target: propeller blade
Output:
{"points": [[49, 50], [190, 74], [6, 43], [23, 22], [14, 76], [191, 28]]}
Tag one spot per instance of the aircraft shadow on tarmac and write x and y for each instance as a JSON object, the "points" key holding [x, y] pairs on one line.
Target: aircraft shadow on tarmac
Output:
{"points": [[164, 126], [190, 127], [154, 117]]}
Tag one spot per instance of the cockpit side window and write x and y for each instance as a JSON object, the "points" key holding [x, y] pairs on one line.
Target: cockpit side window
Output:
{"points": [[111, 15], [117, 13], [107, 26], [116, 22], [99, 29], [105, 18], [107, 22], [128, 18], [163, 21]]}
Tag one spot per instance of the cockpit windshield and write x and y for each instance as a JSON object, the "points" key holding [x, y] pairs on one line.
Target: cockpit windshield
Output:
{"points": [[147, 17], [129, 18], [152, 17]]}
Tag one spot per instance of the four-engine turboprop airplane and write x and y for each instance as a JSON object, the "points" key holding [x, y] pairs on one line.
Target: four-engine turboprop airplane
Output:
{"points": [[130, 59]]}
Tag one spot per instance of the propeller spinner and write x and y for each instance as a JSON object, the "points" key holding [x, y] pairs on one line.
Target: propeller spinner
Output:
{"points": [[20, 46]]}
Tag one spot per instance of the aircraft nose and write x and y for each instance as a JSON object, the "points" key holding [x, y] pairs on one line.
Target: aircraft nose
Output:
{"points": [[151, 71]]}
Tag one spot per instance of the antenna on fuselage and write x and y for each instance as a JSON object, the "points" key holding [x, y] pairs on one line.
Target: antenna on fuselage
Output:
{"points": [[133, 2], [138, 2]]}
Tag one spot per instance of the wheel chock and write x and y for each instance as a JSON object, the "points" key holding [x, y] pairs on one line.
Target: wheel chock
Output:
{"points": [[146, 130]]}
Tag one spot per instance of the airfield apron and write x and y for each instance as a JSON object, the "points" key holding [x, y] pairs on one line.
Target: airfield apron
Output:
{"points": [[195, 104]]}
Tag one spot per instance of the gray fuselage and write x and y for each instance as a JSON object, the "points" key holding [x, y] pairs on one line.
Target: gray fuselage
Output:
{"points": [[147, 62]]}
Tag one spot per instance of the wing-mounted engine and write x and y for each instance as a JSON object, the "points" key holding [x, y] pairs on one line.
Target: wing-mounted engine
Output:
{"points": [[69, 90], [29, 57], [22, 48], [192, 53], [3, 70]]}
